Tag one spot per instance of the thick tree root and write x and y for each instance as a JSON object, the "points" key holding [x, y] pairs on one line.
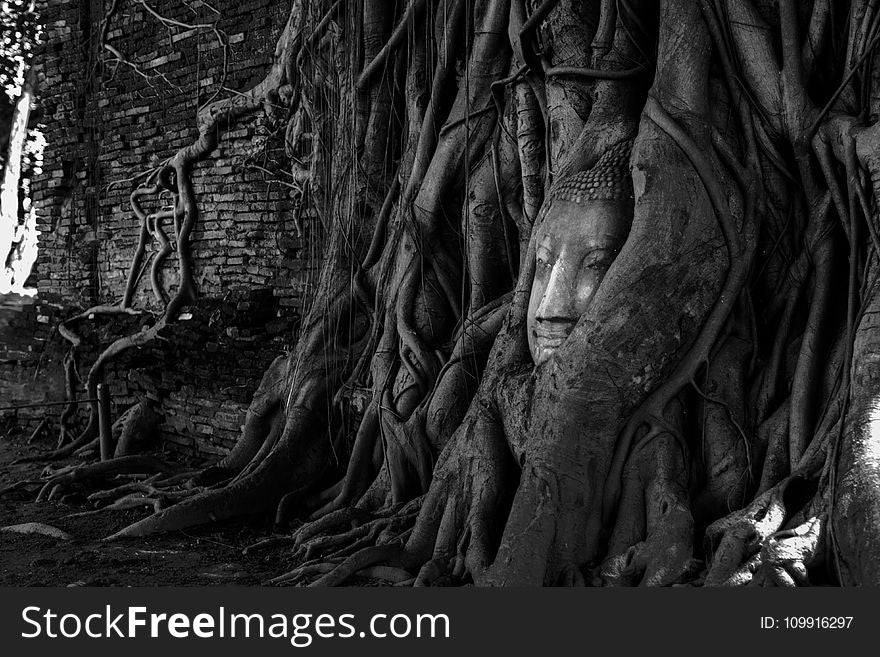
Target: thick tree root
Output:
{"points": [[378, 531], [210, 506], [786, 555], [256, 490], [365, 558], [655, 527], [322, 545], [80, 474], [738, 542]]}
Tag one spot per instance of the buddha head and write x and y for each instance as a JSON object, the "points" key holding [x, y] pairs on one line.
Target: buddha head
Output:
{"points": [[583, 225]]}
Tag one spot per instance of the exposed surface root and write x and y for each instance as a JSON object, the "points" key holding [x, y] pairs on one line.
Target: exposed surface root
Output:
{"points": [[739, 542], [104, 469], [365, 558]]}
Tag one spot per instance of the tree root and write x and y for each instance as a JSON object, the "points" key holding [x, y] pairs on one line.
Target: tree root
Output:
{"points": [[269, 544], [103, 469], [377, 531], [655, 527], [349, 515], [740, 245], [158, 491], [365, 558], [737, 542], [18, 485], [322, 545], [173, 176], [123, 503], [786, 555], [107, 496], [300, 573]]}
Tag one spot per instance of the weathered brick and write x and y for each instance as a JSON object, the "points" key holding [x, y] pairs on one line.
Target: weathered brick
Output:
{"points": [[207, 367]]}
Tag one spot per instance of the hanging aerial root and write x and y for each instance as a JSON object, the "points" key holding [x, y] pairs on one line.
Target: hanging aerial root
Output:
{"points": [[71, 381], [174, 176], [807, 375], [395, 41]]}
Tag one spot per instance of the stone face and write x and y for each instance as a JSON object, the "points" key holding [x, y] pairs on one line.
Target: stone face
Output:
{"points": [[251, 267]]}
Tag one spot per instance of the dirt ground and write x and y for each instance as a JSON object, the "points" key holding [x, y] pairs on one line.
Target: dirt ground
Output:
{"points": [[197, 557]]}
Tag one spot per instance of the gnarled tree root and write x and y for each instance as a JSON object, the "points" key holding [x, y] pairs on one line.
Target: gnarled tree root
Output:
{"points": [[737, 543], [103, 469]]}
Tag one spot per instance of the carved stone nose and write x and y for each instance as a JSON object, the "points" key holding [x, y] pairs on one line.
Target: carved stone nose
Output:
{"points": [[557, 302]]}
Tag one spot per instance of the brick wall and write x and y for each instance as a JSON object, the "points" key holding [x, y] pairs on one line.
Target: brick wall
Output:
{"points": [[104, 124]]}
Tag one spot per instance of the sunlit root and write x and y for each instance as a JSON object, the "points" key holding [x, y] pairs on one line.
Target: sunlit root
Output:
{"points": [[735, 543], [787, 555]]}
